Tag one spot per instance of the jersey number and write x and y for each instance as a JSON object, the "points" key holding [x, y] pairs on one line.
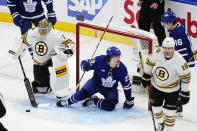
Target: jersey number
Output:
{"points": [[185, 66], [178, 42]]}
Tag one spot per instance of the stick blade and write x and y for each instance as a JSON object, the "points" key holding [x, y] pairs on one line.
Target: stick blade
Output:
{"points": [[45, 105]]}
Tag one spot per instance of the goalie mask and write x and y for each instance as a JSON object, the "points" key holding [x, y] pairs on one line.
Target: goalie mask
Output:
{"points": [[44, 27]]}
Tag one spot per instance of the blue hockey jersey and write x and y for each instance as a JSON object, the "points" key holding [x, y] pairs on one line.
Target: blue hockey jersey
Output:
{"points": [[108, 77], [29, 9], [182, 43]]}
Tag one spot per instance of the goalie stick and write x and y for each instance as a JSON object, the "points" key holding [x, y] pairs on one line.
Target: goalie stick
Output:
{"points": [[29, 90], [77, 88]]}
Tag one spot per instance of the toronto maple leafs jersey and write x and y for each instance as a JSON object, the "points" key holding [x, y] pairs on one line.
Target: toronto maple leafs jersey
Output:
{"points": [[29, 9], [108, 77], [43, 48], [167, 73], [182, 43]]}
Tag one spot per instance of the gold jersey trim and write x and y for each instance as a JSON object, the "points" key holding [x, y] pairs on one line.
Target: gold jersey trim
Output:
{"points": [[185, 75], [148, 62], [41, 63], [170, 86]]}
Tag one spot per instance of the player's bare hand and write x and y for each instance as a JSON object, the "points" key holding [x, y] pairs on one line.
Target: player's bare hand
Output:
{"points": [[154, 6], [139, 3]]}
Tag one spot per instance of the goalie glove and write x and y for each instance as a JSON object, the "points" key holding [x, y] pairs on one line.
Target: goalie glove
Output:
{"points": [[129, 103], [19, 49], [67, 47]]}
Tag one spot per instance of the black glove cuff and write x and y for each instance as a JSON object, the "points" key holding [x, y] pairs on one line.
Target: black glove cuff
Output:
{"points": [[185, 94], [146, 76]]}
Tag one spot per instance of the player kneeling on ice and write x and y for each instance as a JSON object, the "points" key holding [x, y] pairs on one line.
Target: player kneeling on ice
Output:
{"points": [[168, 68], [108, 71], [50, 50]]}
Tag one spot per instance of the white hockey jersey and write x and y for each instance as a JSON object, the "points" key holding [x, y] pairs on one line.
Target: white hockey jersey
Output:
{"points": [[167, 74], [43, 48]]}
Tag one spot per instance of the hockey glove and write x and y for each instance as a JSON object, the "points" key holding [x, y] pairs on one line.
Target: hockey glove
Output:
{"points": [[68, 52], [146, 78], [86, 65], [129, 103], [19, 49], [185, 97], [52, 17], [18, 21]]}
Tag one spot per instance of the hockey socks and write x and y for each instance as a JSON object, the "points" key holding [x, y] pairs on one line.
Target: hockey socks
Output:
{"points": [[107, 105]]}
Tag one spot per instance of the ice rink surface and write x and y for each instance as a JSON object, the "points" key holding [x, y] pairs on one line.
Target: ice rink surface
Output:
{"points": [[75, 117]]}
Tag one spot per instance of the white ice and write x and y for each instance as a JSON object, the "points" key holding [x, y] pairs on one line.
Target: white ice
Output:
{"points": [[75, 117]]}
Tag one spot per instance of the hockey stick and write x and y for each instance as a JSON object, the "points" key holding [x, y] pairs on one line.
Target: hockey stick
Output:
{"points": [[29, 90], [192, 56], [142, 64], [179, 104], [95, 51]]}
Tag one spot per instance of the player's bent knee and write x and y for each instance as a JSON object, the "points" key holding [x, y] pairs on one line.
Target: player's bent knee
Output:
{"points": [[111, 105], [84, 94]]}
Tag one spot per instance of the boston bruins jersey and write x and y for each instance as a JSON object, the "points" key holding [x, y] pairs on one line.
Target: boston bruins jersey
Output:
{"points": [[43, 48], [167, 74]]}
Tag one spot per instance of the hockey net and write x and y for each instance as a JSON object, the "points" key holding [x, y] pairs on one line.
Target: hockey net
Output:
{"points": [[128, 40]]}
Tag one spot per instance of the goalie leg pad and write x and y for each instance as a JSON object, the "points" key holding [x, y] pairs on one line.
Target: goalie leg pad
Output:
{"points": [[41, 74], [59, 77]]}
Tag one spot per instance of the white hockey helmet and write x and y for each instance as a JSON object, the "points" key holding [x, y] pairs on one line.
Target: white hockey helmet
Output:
{"points": [[168, 42]]}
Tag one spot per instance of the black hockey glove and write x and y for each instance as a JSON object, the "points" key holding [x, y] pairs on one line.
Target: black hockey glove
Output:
{"points": [[185, 97], [129, 103], [146, 78]]}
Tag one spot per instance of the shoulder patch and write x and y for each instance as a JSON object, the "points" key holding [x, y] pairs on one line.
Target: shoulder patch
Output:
{"points": [[158, 50]]}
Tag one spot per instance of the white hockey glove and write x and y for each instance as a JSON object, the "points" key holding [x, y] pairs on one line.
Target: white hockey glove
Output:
{"points": [[19, 49]]}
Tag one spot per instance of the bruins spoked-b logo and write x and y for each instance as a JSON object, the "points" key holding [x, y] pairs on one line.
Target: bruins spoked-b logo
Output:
{"points": [[161, 73], [41, 48]]}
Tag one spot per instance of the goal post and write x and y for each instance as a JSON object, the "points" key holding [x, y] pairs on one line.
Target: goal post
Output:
{"points": [[114, 34]]}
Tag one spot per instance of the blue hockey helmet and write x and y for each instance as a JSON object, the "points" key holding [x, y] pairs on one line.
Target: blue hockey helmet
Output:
{"points": [[168, 16], [113, 51]]}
